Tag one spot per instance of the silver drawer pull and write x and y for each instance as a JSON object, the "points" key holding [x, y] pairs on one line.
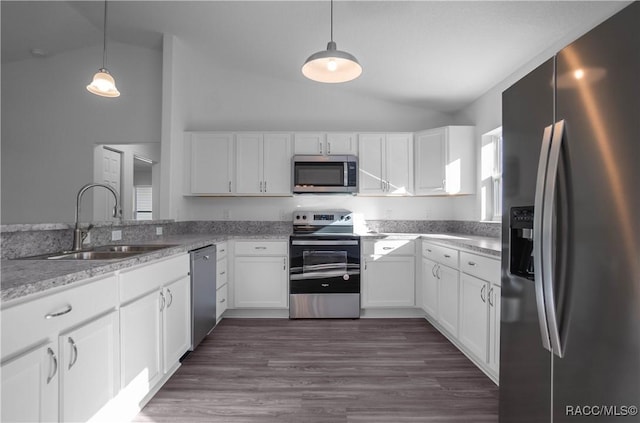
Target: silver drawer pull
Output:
{"points": [[428, 249], [205, 257], [447, 256], [74, 356], [223, 300], [60, 313], [222, 251], [222, 273], [260, 248], [471, 263], [387, 248]]}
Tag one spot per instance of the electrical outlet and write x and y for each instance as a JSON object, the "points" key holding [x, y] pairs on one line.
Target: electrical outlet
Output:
{"points": [[225, 214], [158, 230], [116, 235]]}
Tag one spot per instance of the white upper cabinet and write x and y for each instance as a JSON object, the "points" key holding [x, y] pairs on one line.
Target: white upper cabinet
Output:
{"points": [[263, 164], [445, 161], [386, 164], [325, 143], [208, 163]]}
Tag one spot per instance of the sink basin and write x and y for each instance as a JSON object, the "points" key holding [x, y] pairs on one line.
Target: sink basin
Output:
{"points": [[92, 255], [104, 252], [131, 248]]}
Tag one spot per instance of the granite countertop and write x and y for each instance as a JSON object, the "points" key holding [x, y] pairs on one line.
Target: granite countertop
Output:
{"points": [[23, 278]]}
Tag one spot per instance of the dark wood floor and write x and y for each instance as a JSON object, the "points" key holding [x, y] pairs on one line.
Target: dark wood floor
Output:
{"points": [[317, 371]]}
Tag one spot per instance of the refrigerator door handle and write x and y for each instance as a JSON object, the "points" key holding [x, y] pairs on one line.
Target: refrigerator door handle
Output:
{"points": [[537, 236], [548, 239]]}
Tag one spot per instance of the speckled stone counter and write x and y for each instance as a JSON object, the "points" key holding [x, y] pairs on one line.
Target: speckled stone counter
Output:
{"points": [[26, 278], [480, 244]]}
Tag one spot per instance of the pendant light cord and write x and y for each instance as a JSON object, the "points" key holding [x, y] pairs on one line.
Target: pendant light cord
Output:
{"points": [[331, 20], [104, 36]]}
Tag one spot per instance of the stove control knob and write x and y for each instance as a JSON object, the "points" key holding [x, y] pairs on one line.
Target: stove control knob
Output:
{"points": [[348, 218], [304, 217]]}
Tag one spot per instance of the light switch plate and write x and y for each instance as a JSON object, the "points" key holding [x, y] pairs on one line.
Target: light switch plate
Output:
{"points": [[116, 235], [158, 230]]}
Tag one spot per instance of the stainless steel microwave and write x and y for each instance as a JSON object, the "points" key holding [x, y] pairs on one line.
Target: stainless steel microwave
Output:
{"points": [[325, 174]]}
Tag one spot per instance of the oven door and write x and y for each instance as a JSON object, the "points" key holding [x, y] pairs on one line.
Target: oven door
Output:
{"points": [[320, 265]]}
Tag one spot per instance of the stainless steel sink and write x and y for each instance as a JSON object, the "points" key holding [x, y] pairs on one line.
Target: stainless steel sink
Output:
{"points": [[104, 252], [131, 248]]}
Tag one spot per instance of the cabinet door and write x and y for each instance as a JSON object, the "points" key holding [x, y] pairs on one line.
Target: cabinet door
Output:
{"points": [[277, 164], [221, 297], [30, 386], [430, 288], [448, 295], [340, 144], [494, 328], [140, 341], [389, 282], [430, 157], [211, 163], [260, 282], [474, 315], [249, 164], [399, 164], [308, 143], [176, 321], [88, 365], [371, 163]]}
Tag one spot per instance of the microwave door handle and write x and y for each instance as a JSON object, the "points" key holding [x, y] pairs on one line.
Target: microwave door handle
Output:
{"points": [[345, 178]]}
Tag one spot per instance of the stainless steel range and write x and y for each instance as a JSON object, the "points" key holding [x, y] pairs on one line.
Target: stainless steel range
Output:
{"points": [[324, 257]]}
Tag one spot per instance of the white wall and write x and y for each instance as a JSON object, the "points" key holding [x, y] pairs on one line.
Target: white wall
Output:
{"points": [[50, 124], [202, 95]]}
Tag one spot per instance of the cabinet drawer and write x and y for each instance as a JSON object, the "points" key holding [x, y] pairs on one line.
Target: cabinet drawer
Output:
{"points": [[480, 266], [222, 303], [221, 250], [150, 276], [382, 247], [221, 273], [27, 324], [261, 248], [440, 254]]}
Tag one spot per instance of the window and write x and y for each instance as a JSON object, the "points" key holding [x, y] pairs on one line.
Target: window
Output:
{"points": [[143, 203], [491, 176]]}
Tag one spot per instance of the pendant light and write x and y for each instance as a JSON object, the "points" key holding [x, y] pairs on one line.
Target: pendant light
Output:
{"points": [[331, 65], [103, 83]]}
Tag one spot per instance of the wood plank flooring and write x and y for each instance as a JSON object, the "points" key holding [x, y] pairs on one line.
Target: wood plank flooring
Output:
{"points": [[325, 371]]}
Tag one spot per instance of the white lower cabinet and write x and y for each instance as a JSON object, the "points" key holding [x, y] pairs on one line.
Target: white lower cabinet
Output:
{"points": [[176, 321], [29, 388], [448, 295], [430, 287], [222, 279], [474, 317], [88, 368], [140, 341], [388, 282], [261, 278]]}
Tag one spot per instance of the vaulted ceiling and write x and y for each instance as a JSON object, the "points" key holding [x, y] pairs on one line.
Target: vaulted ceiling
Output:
{"points": [[439, 55]]}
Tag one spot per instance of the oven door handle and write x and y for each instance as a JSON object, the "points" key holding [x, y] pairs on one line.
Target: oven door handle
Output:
{"points": [[323, 275], [326, 242]]}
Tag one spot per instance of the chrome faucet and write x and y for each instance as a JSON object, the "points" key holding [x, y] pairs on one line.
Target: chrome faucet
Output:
{"points": [[78, 234]]}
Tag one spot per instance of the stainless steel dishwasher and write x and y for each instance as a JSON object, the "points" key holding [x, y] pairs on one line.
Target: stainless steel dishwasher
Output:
{"points": [[203, 293]]}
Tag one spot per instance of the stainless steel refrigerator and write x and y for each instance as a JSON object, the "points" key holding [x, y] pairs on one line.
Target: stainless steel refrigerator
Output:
{"points": [[570, 324]]}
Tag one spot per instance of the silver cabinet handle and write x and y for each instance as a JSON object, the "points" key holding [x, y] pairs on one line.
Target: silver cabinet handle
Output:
{"points": [[52, 355], [429, 249], [223, 300], [222, 273], [206, 257], [320, 146], [438, 273], [365, 265], [433, 270], [163, 301], [387, 248], [260, 186], [491, 297], [229, 186], [222, 251], [74, 350], [284, 263], [447, 256], [471, 263], [170, 297], [328, 147], [67, 309], [265, 186], [482, 294], [444, 182], [260, 248]]}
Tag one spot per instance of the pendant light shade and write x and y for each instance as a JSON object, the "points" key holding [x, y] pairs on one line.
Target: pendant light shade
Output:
{"points": [[103, 83], [331, 65]]}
